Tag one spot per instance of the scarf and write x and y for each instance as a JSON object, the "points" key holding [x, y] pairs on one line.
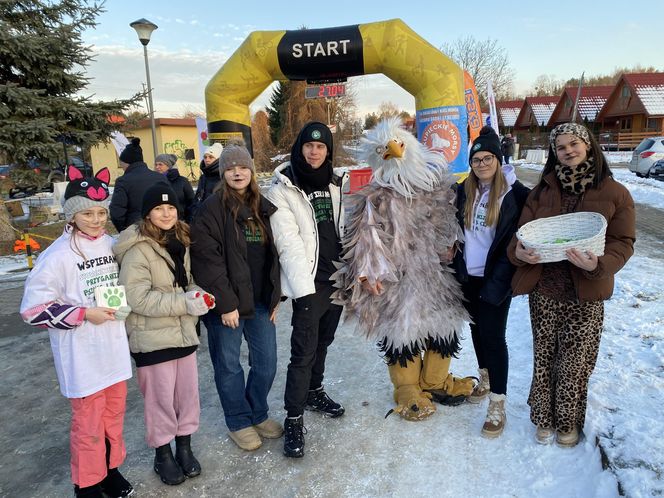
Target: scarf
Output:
{"points": [[576, 180], [317, 178], [176, 251]]}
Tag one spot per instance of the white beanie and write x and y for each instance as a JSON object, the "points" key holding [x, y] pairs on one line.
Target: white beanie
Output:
{"points": [[214, 150]]}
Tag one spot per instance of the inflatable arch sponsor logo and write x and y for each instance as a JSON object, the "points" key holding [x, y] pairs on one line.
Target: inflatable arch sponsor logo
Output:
{"points": [[441, 130], [333, 54]]}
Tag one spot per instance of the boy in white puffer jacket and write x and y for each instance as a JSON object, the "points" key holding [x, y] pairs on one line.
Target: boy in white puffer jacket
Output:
{"points": [[308, 226]]}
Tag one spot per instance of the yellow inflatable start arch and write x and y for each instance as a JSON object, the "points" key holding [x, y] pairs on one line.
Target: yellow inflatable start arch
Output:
{"points": [[388, 47]]}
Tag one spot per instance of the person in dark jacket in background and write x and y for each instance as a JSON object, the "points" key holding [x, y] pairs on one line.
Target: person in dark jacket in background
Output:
{"points": [[489, 202], [209, 177], [234, 258], [127, 199], [165, 164], [507, 147]]}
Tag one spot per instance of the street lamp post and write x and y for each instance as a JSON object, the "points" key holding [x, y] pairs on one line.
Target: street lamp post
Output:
{"points": [[144, 29]]}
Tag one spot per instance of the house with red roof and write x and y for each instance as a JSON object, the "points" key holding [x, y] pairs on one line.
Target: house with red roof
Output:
{"points": [[508, 111], [536, 112], [636, 105], [591, 101]]}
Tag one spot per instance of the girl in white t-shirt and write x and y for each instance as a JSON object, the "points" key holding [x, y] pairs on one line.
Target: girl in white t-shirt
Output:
{"points": [[89, 342]]}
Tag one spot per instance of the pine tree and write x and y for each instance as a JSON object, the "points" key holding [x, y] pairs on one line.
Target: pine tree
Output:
{"points": [[42, 63], [276, 111]]}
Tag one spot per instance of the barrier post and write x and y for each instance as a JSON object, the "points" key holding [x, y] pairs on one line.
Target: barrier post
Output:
{"points": [[28, 249]]}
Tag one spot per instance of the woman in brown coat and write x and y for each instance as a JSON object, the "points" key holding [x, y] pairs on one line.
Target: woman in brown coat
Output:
{"points": [[566, 298]]}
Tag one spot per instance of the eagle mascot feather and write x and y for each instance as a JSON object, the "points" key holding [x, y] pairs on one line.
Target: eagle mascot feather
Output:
{"points": [[394, 277]]}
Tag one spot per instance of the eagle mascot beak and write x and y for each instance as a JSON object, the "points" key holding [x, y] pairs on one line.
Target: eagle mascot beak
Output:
{"points": [[394, 149]]}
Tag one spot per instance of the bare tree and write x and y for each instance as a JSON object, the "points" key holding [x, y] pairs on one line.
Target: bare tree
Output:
{"points": [[192, 112], [547, 84], [264, 150], [484, 60], [387, 110]]}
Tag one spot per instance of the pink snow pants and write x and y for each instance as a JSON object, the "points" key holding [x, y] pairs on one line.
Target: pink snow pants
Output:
{"points": [[170, 391], [94, 420]]}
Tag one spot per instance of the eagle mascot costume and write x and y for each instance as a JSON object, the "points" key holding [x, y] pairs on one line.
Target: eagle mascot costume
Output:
{"points": [[400, 230]]}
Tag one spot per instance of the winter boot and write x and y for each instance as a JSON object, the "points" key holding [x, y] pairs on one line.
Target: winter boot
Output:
{"points": [[185, 458], [444, 387], [115, 485], [482, 388], [412, 402], [294, 432], [247, 438], [93, 491], [269, 429], [495, 416], [319, 401], [567, 439], [544, 435], [166, 466]]}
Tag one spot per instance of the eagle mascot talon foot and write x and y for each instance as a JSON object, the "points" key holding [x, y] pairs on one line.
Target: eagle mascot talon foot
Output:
{"points": [[412, 402]]}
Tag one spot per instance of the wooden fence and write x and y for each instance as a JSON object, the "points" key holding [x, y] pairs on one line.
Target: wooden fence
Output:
{"points": [[624, 140]]}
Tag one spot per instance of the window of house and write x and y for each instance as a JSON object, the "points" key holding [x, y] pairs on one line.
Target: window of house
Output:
{"points": [[626, 123], [625, 92], [653, 124]]}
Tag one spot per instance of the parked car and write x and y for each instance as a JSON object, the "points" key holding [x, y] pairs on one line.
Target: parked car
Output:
{"points": [[657, 170], [648, 152]]}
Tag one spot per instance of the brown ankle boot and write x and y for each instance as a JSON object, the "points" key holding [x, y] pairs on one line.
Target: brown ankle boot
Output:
{"points": [[495, 416]]}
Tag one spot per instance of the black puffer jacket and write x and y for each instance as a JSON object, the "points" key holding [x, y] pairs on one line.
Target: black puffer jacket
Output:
{"points": [[219, 257], [183, 192], [127, 199], [498, 270], [206, 184]]}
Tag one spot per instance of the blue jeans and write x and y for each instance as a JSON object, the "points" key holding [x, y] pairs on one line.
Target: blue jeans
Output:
{"points": [[243, 406]]}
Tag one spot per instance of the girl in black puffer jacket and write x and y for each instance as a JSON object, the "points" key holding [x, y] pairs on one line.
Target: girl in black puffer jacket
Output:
{"points": [[209, 177], [233, 254], [489, 203]]}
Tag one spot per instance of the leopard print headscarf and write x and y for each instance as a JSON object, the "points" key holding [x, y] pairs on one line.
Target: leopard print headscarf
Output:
{"points": [[576, 180], [568, 129]]}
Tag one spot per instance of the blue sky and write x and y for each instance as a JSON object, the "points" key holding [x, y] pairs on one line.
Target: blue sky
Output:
{"points": [[195, 38]]}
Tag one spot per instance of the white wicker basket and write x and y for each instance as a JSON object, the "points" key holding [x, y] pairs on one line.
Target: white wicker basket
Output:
{"points": [[551, 237]]}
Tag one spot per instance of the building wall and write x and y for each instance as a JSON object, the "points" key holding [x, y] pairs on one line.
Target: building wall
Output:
{"points": [[170, 140], [177, 139]]}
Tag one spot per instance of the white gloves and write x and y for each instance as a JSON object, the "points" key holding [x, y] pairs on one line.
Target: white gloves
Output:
{"points": [[199, 303], [122, 313]]}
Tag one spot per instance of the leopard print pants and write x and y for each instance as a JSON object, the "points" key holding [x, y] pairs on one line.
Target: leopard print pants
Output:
{"points": [[566, 338]]}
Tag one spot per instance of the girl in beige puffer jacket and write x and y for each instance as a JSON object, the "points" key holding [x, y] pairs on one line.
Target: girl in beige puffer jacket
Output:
{"points": [[155, 270]]}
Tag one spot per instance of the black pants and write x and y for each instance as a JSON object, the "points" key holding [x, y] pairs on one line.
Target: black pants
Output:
{"points": [[488, 331], [314, 324]]}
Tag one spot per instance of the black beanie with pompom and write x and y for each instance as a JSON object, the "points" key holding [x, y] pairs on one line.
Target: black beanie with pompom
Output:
{"points": [[488, 141], [132, 152]]}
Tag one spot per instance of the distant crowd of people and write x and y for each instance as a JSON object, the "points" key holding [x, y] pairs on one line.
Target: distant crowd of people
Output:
{"points": [[229, 255]]}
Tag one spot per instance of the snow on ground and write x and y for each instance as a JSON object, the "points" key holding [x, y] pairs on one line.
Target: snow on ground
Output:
{"points": [[363, 454], [615, 157]]}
